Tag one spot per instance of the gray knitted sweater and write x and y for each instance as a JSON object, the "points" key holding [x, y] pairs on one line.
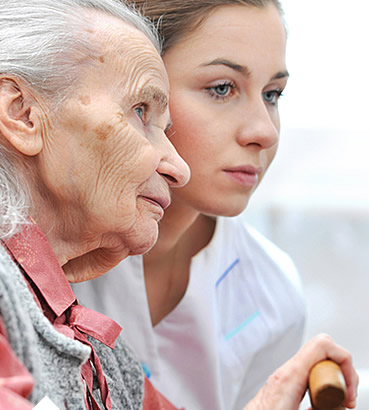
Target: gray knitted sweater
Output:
{"points": [[55, 360]]}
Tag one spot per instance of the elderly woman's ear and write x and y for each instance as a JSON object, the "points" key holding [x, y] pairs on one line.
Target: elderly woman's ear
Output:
{"points": [[20, 122]]}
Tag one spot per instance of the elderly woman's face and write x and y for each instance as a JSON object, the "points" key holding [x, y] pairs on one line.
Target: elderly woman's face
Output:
{"points": [[106, 158]]}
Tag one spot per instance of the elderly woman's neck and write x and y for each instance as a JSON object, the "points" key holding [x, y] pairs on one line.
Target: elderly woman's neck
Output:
{"points": [[83, 256], [64, 236]]}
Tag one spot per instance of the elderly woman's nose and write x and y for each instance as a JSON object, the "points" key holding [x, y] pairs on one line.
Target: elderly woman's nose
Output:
{"points": [[173, 168]]}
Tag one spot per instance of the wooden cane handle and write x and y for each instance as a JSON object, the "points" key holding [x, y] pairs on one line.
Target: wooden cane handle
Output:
{"points": [[327, 386]]}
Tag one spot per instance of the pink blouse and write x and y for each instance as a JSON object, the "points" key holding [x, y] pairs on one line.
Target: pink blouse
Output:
{"points": [[31, 250]]}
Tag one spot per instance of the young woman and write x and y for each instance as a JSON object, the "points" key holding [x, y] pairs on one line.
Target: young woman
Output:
{"points": [[214, 308]]}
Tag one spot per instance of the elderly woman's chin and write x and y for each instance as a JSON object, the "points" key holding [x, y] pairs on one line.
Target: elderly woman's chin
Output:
{"points": [[142, 241], [97, 262]]}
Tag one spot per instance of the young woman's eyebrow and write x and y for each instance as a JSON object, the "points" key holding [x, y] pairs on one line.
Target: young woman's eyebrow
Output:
{"points": [[281, 74], [244, 70], [234, 66]]}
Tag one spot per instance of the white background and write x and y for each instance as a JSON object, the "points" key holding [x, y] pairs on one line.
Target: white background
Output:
{"points": [[314, 202]]}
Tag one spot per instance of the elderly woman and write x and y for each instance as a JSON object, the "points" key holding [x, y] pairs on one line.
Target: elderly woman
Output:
{"points": [[85, 172]]}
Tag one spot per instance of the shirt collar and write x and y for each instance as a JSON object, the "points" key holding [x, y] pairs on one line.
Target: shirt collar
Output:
{"points": [[33, 252]]}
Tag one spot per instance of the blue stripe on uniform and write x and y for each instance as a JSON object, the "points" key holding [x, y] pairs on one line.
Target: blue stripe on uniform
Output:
{"points": [[227, 271], [242, 325]]}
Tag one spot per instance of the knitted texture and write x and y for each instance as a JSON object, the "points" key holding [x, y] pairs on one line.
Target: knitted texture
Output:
{"points": [[55, 360]]}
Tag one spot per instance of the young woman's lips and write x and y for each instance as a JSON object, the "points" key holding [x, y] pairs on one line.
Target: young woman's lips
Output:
{"points": [[247, 176]]}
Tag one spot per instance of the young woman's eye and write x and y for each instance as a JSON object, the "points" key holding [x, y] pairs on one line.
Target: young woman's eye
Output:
{"points": [[221, 91], [272, 96]]}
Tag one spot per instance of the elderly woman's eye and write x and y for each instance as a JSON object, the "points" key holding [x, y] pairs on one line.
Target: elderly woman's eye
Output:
{"points": [[140, 111]]}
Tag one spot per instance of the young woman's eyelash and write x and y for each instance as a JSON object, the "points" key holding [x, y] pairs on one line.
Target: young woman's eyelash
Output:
{"points": [[274, 94], [222, 90]]}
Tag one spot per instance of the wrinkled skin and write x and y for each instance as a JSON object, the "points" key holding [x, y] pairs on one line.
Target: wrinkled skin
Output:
{"points": [[286, 387], [100, 181]]}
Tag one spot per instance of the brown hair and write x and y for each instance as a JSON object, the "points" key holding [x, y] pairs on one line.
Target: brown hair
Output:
{"points": [[177, 18]]}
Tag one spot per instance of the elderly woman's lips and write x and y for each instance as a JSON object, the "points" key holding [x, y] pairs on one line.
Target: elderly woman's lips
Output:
{"points": [[163, 202]]}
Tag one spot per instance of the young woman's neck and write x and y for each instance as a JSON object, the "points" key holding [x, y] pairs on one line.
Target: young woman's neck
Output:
{"points": [[183, 233], [182, 228]]}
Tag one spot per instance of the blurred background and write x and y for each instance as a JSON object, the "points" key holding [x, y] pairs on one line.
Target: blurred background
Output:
{"points": [[314, 201]]}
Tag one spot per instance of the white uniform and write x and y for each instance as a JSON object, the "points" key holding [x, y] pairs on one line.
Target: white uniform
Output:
{"points": [[241, 317]]}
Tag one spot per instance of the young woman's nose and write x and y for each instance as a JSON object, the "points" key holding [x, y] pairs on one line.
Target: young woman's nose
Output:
{"points": [[258, 127]]}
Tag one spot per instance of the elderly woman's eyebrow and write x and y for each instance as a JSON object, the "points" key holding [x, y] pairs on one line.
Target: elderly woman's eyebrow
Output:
{"points": [[169, 125], [152, 94]]}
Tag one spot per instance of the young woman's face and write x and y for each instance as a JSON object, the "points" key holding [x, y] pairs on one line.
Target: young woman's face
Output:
{"points": [[225, 82]]}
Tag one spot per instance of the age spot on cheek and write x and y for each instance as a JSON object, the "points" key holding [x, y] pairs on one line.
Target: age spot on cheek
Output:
{"points": [[85, 100], [103, 131], [102, 59]]}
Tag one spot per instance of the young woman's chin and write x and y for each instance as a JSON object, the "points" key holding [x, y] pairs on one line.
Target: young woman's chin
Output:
{"points": [[229, 208]]}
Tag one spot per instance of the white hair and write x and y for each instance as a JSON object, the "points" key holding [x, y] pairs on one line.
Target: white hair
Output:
{"points": [[42, 43], [13, 197]]}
